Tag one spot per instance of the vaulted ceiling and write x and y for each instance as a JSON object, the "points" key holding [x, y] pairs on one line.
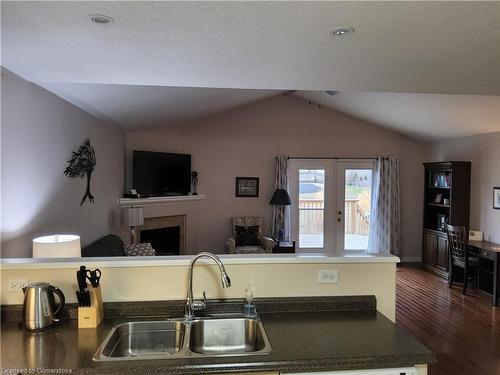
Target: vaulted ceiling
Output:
{"points": [[423, 116], [138, 107], [427, 69]]}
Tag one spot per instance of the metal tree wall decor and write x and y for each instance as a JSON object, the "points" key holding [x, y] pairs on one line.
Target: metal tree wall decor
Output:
{"points": [[82, 163]]}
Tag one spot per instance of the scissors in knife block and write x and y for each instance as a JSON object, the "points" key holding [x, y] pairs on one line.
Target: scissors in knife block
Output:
{"points": [[93, 276]]}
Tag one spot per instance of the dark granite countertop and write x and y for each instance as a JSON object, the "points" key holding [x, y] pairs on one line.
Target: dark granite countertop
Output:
{"points": [[301, 342]]}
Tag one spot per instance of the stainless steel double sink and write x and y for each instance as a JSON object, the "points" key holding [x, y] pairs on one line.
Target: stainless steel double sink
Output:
{"points": [[178, 338]]}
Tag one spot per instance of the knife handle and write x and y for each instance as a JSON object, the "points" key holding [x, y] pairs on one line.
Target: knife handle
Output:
{"points": [[79, 298]]}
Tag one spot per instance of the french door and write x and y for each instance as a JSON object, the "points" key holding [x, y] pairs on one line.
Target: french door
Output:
{"points": [[353, 196], [331, 204], [311, 182]]}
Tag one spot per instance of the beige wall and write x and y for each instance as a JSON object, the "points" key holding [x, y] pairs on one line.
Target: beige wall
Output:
{"points": [[39, 132], [245, 141], [484, 153], [268, 280]]}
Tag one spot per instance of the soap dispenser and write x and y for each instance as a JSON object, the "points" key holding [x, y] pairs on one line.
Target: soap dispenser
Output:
{"points": [[249, 310]]}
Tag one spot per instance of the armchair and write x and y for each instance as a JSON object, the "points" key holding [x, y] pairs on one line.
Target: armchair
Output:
{"points": [[266, 244]]}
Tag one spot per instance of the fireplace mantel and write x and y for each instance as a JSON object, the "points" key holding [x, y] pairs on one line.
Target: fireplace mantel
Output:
{"points": [[159, 201]]}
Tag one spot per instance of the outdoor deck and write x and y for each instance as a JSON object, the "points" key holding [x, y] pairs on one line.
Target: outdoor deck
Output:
{"points": [[352, 241]]}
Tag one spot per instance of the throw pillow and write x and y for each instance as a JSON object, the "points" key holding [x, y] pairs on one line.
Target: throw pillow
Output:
{"points": [[247, 236], [139, 249]]}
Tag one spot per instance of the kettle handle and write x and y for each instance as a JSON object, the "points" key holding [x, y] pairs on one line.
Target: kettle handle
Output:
{"points": [[62, 300]]}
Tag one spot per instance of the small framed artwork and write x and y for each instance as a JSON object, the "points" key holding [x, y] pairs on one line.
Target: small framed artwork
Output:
{"points": [[247, 187], [496, 197]]}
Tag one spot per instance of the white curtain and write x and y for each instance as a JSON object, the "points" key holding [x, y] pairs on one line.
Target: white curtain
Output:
{"points": [[384, 218], [281, 182]]}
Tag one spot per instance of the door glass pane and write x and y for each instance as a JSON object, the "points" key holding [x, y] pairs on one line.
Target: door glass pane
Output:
{"points": [[358, 193], [311, 208]]}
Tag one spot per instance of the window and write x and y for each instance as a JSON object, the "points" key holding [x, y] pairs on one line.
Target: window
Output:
{"points": [[357, 208], [311, 208]]}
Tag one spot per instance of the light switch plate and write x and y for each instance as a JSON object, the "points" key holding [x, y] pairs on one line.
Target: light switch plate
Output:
{"points": [[328, 276], [16, 285]]}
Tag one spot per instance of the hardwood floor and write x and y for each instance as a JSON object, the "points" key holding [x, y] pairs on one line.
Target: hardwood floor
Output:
{"points": [[463, 331]]}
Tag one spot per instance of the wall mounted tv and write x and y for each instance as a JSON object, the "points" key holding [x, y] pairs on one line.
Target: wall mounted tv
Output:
{"points": [[161, 174]]}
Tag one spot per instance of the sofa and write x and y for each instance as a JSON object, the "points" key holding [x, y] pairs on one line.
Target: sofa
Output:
{"points": [[107, 246]]}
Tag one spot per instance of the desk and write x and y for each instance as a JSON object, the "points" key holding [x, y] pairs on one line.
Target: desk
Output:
{"points": [[489, 268]]}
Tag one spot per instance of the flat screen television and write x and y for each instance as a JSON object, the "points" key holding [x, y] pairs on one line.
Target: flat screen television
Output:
{"points": [[161, 174]]}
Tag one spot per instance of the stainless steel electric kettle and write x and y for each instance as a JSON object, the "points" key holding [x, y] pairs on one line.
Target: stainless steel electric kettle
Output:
{"points": [[40, 309]]}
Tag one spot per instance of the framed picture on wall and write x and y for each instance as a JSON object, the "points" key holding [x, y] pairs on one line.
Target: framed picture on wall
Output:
{"points": [[496, 197], [247, 187]]}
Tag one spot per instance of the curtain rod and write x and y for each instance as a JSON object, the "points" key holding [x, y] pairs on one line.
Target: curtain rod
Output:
{"points": [[331, 158]]}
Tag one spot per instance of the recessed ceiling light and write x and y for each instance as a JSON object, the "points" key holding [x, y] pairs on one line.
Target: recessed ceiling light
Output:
{"points": [[100, 19], [342, 31]]}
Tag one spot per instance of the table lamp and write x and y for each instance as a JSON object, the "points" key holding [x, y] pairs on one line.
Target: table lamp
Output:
{"points": [[57, 246], [281, 199], [132, 217]]}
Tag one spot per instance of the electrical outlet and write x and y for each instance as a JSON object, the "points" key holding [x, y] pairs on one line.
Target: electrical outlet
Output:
{"points": [[328, 276], [17, 285]]}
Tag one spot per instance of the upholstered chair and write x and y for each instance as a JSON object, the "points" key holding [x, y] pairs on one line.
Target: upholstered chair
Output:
{"points": [[265, 244]]}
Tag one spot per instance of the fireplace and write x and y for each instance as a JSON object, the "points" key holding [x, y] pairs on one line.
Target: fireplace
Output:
{"points": [[166, 241], [167, 234]]}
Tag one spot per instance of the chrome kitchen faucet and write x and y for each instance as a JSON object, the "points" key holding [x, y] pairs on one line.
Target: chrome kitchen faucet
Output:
{"points": [[192, 306]]}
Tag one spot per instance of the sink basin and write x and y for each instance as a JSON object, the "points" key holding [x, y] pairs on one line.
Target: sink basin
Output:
{"points": [[143, 339], [226, 336], [177, 338]]}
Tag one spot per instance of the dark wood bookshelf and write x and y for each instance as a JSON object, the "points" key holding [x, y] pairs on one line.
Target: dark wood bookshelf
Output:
{"points": [[443, 180]]}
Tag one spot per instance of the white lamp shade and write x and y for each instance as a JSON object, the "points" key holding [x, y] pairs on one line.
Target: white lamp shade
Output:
{"points": [[57, 246], [133, 216]]}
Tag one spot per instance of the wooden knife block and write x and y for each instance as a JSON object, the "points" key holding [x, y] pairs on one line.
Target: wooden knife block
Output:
{"points": [[91, 317]]}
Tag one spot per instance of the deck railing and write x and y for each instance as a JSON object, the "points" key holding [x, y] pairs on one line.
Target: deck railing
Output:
{"points": [[311, 217], [355, 218]]}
